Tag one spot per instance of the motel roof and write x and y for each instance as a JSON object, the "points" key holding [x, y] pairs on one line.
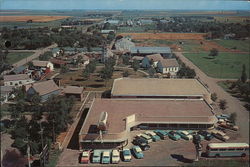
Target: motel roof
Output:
{"points": [[17, 77], [147, 111], [39, 63], [150, 50], [157, 87]]}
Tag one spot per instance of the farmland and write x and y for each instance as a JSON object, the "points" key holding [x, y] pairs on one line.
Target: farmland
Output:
{"points": [[15, 57], [225, 65], [241, 45], [33, 18], [142, 36]]}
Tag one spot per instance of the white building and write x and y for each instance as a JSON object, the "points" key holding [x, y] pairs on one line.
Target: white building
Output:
{"points": [[170, 66], [43, 64], [17, 80]]}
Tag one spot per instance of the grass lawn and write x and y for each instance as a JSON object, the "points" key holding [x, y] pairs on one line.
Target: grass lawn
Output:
{"points": [[15, 57], [225, 65], [242, 45]]}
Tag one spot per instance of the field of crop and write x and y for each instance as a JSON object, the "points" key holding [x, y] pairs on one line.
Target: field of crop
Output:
{"points": [[33, 18], [241, 45], [15, 57], [170, 36], [232, 19], [225, 65]]}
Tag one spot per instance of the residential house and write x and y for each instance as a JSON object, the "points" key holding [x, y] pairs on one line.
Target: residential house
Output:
{"points": [[75, 91], [151, 60], [17, 80], [138, 58], [45, 65], [44, 89], [58, 63], [19, 70], [107, 31], [112, 22], [5, 92], [166, 66]]}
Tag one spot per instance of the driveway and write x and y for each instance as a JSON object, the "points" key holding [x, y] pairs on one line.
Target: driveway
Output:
{"points": [[234, 104]]}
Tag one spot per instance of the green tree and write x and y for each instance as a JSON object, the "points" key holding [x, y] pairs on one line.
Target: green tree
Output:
{"points": [[151, 72], [214, 96], [125, 74], [243, 77], [46, 56], [136, 65], [223, 104], [233, 117], [125, 59], [64, 69], [85, 74], [213, 52]]}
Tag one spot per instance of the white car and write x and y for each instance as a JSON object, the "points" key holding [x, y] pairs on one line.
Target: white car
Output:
{"points": [[146, 137], [126, 155], [115, 156], [187, 135]]}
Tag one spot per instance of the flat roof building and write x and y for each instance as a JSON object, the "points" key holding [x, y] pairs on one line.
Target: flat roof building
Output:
{"points": [[159, 88], [124, 115], [164, 51]]}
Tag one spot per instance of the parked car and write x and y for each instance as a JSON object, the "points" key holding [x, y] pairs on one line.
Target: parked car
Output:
{"points": [[163, 134], [174, 136], [220, 135], [184, 134], [146, 137], [219, 128], [153, 135], [105, 157], [96, 156], [115, 156], [228, 125], [126, 153], [141, 142], [208, 136], [137, 152], [85, 157]]}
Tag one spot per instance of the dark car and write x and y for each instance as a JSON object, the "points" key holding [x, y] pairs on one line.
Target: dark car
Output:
{"points": [[208, 136], [142, 143]]}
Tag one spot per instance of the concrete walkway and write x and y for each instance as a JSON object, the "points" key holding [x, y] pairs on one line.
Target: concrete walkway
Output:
{"points": [[234, 104]]}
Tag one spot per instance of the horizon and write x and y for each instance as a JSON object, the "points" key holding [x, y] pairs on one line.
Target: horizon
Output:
{"points": [[209, 5]]}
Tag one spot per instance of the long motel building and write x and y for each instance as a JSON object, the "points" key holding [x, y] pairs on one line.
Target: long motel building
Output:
{"points": [[146, 104]]}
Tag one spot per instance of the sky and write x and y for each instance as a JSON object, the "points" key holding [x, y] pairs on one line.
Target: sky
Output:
{"points": [[126, 4]]}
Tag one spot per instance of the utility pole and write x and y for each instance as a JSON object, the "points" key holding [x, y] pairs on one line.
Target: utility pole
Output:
{"points": [[198, 146]]}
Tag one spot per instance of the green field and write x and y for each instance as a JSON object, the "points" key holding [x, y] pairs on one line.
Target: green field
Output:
{"points": [[242, 45], [225, 65], [15, 57]]}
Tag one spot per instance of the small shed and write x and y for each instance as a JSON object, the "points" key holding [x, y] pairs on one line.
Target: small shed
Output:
{"points": [[75, 91]]}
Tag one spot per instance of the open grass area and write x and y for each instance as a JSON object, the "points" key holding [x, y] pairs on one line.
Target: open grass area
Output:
{"points": [[15, 57], [225, 65], [241, 45]]}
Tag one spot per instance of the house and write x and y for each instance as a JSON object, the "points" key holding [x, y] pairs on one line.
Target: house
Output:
{"points": [[19, 70], [45, 65], [107, 31], [44, 89], [17, 80], [58, 63], [109, 122], [124, 44], [112, 22], [166, 66], [5, 92], [151, 60], [146, 21], [84, 59], [138, 58], [143, 51], [75, 91]]}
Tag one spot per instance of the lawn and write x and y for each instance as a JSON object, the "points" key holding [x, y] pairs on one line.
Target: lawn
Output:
{"points": [[225, 65], [242, 45], [15, 57]]}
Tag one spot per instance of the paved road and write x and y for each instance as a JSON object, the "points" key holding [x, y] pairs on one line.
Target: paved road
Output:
{"points": [[234, 104]]}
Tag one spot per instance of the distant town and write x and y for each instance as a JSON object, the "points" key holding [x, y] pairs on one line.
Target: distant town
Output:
{"points": [[124, 88]]}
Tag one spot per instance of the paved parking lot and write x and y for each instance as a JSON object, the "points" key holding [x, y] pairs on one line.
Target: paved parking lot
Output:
{"points": [[162, 153]]}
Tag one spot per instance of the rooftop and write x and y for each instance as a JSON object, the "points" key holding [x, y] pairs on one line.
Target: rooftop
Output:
{"points": [[150, 50], [45, 87], [19, 69], [15, 77], [157, 87], [172, 111], [39, 63], [73, 90], [155, 57], [169, 63]]}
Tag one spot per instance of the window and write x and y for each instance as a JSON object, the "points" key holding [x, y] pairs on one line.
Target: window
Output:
{"points": [[240, 149], [222, 149], [231, 149], [214, 149], [246, 149], [11, 83], [20, 82]]}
